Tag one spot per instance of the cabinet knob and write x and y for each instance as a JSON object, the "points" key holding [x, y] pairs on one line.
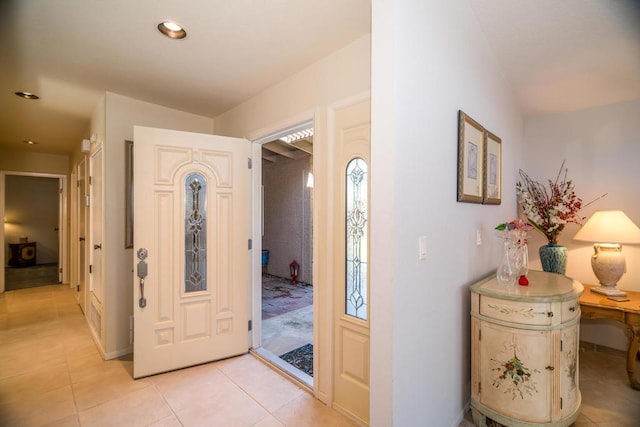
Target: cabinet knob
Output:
{"points": [[550, 368], [549, 313]]}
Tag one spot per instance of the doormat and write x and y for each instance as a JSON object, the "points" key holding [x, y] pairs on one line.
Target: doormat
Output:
{"points": [[301, 358]]}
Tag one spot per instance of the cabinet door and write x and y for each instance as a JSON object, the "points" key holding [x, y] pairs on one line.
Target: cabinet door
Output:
{"points": [[569, 390], [514, 380]]}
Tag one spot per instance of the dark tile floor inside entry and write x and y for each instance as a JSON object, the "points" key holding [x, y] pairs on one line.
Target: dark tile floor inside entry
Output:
{"points": [[279, 296]]}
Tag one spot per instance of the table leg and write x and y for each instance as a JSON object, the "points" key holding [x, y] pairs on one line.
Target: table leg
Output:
{"points": [[634, 347]]}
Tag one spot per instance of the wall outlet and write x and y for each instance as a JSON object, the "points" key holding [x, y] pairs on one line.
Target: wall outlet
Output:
{"points": [[478, 237]]}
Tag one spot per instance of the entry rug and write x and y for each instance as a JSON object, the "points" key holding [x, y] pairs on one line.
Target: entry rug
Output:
{"points": [[301, 358]]}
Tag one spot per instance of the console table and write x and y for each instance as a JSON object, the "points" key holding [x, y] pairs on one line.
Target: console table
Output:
{"points": [[598, 306], [22, 254], [524, 351]]}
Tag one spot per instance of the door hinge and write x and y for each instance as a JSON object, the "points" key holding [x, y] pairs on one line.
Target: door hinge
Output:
{"points": [[77, 288], [250, 325], [479, 388], [60, 270], [90, 269], [89, 179], [250, 163], [479, 334], [561, 345], [60, 190], [250, 244], [560, 403]]}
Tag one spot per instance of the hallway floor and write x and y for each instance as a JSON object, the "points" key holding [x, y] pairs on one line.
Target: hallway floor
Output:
{"points": [[51, 374]]}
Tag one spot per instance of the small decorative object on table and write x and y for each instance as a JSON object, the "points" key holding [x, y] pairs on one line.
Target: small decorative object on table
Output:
{"points": [[549, 212], [515, 260]]}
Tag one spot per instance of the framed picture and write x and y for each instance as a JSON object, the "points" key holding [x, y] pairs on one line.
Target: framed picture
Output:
{"points": [[470, 159], [492, 169]]}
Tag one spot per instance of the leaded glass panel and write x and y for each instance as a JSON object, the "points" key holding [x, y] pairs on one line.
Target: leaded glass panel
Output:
{"points": [[195, 242], [357, 255]]}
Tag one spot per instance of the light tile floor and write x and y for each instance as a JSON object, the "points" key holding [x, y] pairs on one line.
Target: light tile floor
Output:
{"points": [[51, 374]]}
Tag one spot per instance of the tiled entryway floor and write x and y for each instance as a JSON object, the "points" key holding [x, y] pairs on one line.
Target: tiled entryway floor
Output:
{"points": [[51, 374]]}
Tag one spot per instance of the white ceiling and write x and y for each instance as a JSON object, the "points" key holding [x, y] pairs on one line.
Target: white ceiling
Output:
{"points": [[565, 55], [558, 55]]}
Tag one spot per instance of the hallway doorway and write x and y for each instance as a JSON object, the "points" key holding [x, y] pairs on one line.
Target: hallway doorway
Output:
{"points": [[33, 209], [287, 251]]}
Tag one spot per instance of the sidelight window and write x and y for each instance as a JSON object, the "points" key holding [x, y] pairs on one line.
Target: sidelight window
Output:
{"points": [[357, 255]]}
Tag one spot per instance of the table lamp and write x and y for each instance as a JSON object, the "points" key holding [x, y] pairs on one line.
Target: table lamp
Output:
{"points": [[608, 230]]}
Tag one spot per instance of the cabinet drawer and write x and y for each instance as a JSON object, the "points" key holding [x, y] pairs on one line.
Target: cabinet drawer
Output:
{"points": [[526, 313], [570, 310]]}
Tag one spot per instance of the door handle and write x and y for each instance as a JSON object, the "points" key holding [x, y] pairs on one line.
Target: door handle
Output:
{"points": [[142, 273], [97, 247]]}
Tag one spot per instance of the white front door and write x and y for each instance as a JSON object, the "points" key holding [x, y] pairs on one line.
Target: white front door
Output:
{"points": [[191, 230]]}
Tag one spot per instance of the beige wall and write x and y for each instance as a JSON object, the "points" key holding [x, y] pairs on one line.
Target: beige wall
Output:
{"points": [[429, 60], [601, 150], [24, 161], [287, 217], [113, 123]]}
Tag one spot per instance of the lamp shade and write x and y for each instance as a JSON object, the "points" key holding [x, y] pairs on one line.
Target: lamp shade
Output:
{"points": [[609, 227]]}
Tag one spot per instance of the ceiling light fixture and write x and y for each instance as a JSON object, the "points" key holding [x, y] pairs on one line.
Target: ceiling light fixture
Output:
{"points": [[296, 136], [30, 142], [172, 30], [26, 95]]}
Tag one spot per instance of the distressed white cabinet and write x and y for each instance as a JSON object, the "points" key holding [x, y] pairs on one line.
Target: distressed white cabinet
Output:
{"points": [[524, 351]]}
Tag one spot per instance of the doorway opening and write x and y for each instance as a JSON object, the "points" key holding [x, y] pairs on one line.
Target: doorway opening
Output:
{"points": [[33, 213], [287, 251]]}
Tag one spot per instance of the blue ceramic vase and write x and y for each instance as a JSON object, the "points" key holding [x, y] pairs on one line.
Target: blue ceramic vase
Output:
{"points": [[554, 258]]}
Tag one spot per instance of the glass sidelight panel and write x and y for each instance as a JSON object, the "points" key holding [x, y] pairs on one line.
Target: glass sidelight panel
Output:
{"points": [[195, 244], [357, 255]]}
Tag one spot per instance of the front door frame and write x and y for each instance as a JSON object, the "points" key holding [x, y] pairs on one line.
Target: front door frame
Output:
{"points": [[62, 221], [257, 138]]}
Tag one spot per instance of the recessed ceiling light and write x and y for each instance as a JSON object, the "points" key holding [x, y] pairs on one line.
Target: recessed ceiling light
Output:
{"points": [[27, 95], [30, 142], [172, 30]]}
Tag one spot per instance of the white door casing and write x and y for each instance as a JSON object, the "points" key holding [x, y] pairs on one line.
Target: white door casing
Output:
{"points": [[96, 293], [179, 326], [351, 385], [82, 234]]}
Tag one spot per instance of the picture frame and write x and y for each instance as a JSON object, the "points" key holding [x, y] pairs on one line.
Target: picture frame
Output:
{"points": [[470, 159], [492, 169], [128, 194]]}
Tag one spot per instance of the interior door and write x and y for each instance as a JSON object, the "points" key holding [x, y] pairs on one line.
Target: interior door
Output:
{"points": [[191, 258]]}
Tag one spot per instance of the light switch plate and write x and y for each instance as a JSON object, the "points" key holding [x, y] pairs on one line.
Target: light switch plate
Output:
{"points": [[422, 247]]}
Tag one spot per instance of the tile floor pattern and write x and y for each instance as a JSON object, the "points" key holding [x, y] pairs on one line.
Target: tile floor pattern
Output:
{"points": [[279, 296], [287, 314], [51, 374]]}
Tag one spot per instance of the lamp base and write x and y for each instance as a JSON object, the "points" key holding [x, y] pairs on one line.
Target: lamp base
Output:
{"points": [[608, 291]]}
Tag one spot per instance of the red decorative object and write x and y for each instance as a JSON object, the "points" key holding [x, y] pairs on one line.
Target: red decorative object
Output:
{"points": [[523, 281], [294, 267]]}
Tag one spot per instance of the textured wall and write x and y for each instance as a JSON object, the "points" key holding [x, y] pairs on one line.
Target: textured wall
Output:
{"points": [[287, 217]]}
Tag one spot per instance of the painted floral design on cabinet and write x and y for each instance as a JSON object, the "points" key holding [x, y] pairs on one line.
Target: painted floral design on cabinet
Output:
{"points": [[513, 376]]}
